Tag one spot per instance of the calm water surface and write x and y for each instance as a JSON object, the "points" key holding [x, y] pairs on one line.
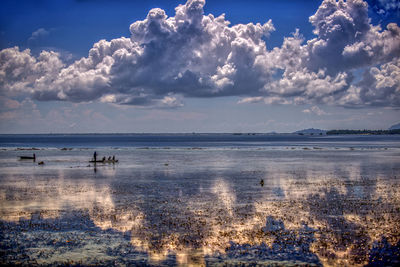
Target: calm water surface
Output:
{"points": [[200, 200]]}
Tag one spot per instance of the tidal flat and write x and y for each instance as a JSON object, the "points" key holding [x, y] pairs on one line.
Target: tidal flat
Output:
{"points": [[314, 202]]}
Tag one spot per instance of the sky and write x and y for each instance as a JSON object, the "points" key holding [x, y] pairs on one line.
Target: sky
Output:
{"points": [[102, 66]]}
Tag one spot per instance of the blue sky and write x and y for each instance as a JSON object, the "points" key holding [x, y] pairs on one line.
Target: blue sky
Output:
{"points": [[254, 83], [89, 21]]}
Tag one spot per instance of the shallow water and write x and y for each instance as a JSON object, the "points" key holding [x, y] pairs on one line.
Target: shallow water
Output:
{"points": [[324, 201]]}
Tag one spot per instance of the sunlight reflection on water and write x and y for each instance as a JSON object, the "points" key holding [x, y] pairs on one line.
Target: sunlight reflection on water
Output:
{"points": [[163, 207]]}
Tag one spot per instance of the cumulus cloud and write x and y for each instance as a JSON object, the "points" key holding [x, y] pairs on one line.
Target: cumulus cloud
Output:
{"points": [[195, 55], [378, 87], [20, 71], [189, 54], [321, 70]]}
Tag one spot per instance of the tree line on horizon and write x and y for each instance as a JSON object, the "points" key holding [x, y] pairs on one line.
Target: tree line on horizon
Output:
{"points": [[375, 132]]}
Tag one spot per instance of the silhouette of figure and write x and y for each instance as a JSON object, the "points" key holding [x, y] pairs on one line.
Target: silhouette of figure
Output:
{"points": [[34, 157], [94, 156], [113, 158]]}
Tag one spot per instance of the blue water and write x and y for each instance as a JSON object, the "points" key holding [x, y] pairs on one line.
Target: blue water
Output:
{"points": [[194, 140]]}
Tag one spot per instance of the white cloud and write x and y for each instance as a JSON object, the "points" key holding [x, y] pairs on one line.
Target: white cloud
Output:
{"points": [[20, 71], [248, 100], [379, 87], [315, 110], [385, 7], [321, 70], [196, 55], [189, 54], [39, 33]]}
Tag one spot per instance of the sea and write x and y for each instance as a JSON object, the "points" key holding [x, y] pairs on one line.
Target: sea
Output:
{"points": [[242, 199]]}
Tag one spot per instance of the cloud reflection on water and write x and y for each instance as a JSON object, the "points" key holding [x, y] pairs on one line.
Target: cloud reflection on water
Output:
{"points": [[333, 215]]}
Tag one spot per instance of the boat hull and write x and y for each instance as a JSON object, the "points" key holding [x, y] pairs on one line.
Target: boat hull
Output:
{"points": [[103, 161], [23, 157]]}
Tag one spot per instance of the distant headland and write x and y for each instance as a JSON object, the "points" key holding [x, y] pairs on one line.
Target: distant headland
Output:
{"points": [[373, 132], [311, 131], [394, 129]]}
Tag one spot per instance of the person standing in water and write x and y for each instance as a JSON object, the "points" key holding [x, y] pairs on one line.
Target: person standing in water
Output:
{"points": [[94, 156]]}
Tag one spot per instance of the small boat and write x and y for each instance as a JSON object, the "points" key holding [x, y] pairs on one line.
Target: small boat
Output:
{"points": [[96, 161], [28, 157]]}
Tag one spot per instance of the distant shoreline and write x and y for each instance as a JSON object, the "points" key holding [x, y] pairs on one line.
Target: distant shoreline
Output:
{"points": [[321, 132], [363, 132]]}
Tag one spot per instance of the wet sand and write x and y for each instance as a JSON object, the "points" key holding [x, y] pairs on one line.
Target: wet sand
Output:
{"points": [[163, 207]]}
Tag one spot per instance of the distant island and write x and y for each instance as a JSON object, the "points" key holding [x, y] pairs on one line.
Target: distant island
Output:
{"points": [[394, 129], [374, 132], [311, 131]]}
